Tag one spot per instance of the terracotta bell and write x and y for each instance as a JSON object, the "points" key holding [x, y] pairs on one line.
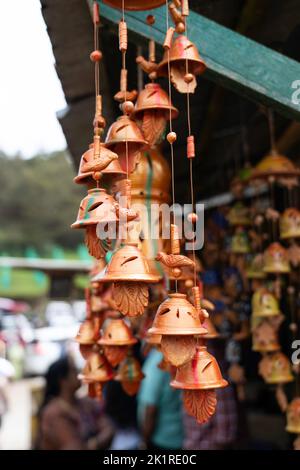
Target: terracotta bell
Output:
{"points": [[86, 334], [239, 215], [127, 264], [152, 109], [112, 171], [240, 242], [264, 304], [290, 223], [130, 375], [181, 53], [274, 165], [254, 269], [135, 5], [202, 373], [177, 316], [211, 330], [97, 369], [265, 337], [123, 136], [276, 259], [116, 340], [293, 416], [96, 210], [275, 368]]}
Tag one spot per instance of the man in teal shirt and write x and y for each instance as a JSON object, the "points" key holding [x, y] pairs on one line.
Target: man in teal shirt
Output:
{"points": [[159, 407]]}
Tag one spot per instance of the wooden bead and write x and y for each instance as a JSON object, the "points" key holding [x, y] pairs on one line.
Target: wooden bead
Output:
{"points": [[168, 38], [96, 56], [123, 41], [150, 19], [180, 27], [171, 137], [190, 148], [127, 107], [189, 283], [188, 78], [192, 217], [97, 175]]}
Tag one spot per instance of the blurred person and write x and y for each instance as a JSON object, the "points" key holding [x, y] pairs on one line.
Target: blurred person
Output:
{"points": [[159, 407], [67, 422], [121, 408], [7, 371]]}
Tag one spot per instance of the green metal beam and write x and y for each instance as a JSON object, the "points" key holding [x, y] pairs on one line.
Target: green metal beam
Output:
{"points": [[233, 61]]}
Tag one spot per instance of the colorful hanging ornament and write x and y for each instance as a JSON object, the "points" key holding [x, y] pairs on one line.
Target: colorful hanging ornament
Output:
{"points": [[275, 368], [265, 334], [130, 375], [238, 215], [254, 268], [293, 416], [264, 304], [240, 242], [275, 166], [276, 259], [290, 223]]}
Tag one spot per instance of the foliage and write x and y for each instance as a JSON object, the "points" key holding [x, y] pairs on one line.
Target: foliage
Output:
{"points": [[38, 202]]}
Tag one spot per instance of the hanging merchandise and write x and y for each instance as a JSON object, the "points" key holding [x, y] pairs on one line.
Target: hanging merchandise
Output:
{"points": [[130, 375], [239, 215], [276, 259], [96, 373], [275, 368], [293, 416], [290, 223], [116, 340], [135, 4]]}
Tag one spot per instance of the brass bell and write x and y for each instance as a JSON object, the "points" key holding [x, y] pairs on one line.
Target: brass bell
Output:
{"points": [[126, 139], [275, 368], [130, 375], [117, 333], [135, 5], [85, 173], [177, 316], [276, 259], [97, 369], [182, 55], [152, 109], [290, 223], [293, 416], [264, 304], [201, 373], [86, 334]]}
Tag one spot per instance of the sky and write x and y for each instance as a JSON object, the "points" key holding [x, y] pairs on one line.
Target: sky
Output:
{"points": [[30, 91]]}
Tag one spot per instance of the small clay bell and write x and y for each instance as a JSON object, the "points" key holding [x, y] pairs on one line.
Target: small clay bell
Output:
{"points": [[130, 375], [116, 340], [240, 242], [254, 268], [265, 337], [183, 55], [238, 215], [97, 369], [293, 416], [275, 368], [264, 304], [290, 223], [86, 333]]}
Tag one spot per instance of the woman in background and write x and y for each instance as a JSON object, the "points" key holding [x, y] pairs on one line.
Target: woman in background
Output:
{"points": [[66, 422]]}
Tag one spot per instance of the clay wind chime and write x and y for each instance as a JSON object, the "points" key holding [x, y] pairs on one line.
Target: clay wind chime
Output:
{"points": [[178, 323]]}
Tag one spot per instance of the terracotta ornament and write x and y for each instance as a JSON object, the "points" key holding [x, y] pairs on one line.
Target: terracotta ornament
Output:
{"points": [[276, 166], [130, 375], [254, 269], [275, 368], [276, 259], [238, 215], [264, 304], [199, 378], [290, 223], [240, 242], [152, 110], [135, 5], [181, 53], [97, 369], [265, 335], [294, 254], [116, 340], [293, 416]]}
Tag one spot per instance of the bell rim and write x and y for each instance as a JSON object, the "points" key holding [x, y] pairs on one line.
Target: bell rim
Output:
{"points": [[199, 63], [270, 348], [93, 378], [85, 343], [292, 429], [176, 384], [285, 236], [92, 221], [280, 379], [164, 107], [283, 270], [192, 331], [112, 142], [112, 342]]}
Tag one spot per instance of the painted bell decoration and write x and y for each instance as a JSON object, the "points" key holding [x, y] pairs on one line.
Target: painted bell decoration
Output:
{"points": [[152, 110], [276, 259], [129, 270], [289, 223], [238, 215], [275, 368], [254, 268], [85, 173], [116, 339], [240, 242], [185, 64], [130, 375], [124, 136], [274, 165], [178, 321], [135, 5], [199, 378], [293, 416], [96, 209], [264, 304], [265, 336]]}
